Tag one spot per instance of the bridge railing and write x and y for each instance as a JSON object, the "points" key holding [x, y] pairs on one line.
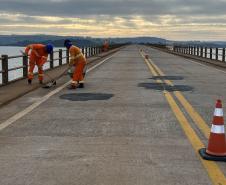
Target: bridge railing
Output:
{"points": [[13, 68], [204, 52]]}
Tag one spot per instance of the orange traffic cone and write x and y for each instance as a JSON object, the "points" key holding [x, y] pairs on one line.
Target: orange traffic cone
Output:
{"points": [[216, 150]]}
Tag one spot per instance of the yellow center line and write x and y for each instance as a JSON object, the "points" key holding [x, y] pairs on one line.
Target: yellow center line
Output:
{"points": [[198, 120], [214, 172]]}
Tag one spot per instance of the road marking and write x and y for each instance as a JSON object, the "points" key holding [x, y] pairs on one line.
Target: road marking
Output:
{"points": [[198, 120], [214, 172], [189, 60], [205, 65], [22, 113]]}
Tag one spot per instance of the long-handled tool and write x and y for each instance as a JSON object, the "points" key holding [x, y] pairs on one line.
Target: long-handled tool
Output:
{"points": [[53, 81], [50, 84]]}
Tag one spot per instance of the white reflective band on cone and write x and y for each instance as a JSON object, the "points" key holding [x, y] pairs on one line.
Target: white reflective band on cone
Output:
{"points": [[217, 129], [218, 112]]}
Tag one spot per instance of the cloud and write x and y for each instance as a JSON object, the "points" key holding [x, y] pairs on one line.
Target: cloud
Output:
{"points": [[114, 7], [172, 19]]}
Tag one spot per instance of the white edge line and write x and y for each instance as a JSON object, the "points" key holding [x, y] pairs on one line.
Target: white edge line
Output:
{"points": [[22, 113], [206, 65], [201, 64]]}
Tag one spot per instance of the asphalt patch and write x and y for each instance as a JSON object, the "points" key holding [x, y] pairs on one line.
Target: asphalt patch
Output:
{"points": [[86, 96], [164, 86], [167, 78]]}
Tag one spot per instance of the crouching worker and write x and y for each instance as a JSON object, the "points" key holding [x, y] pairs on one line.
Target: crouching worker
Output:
{"points": [[77, 64], [38, 56]]}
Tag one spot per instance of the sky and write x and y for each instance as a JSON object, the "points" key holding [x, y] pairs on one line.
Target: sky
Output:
{"points": [[169, 19]]}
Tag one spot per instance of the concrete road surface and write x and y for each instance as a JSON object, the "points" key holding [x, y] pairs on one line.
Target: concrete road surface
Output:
{"points": [[122, 129]]}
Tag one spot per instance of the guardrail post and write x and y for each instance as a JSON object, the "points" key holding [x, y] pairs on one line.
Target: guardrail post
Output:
{"points": [[60, 57], [51, 60], [211, 53], [92, 51], [25, 66], [205, 52], [89, 51], [86, 52], [216, 54], [68, 57], [201, 52], [223, 55], [83, 51], [5, 68]]}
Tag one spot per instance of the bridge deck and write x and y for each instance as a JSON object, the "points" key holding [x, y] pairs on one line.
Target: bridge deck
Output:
{"points": [[120, 129]]}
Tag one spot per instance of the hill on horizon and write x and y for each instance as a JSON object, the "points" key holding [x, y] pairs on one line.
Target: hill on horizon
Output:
{"points": [[23, 40]]}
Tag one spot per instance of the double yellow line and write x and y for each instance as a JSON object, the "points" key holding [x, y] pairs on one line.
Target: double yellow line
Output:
{"points": [[211, 167]]}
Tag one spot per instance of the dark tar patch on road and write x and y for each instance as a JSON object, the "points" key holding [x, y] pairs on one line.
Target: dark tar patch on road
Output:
{"points": [[86, 96], [164, 86], [167, 78]]}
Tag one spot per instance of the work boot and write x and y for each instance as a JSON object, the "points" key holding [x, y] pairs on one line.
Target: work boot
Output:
{"points": [[40, 82], [81, 85], [29, 81], [72, 86]]}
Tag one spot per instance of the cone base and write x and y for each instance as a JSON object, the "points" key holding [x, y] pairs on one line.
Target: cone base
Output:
{"points": [[206, 156]]}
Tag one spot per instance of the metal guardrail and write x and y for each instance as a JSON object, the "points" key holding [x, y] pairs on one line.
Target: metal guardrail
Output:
{"points": [[204, 52], [4, 59]]}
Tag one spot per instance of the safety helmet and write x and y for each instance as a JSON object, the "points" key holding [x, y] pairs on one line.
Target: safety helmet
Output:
{"points": [[49, 48], [67, 43]]}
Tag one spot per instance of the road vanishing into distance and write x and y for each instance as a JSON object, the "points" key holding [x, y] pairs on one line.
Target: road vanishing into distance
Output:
{"points": [[139, 121]]}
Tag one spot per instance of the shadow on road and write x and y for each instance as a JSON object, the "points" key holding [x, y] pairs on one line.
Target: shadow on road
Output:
{"points": [[86, 96], [167, 78], [164, 86]]}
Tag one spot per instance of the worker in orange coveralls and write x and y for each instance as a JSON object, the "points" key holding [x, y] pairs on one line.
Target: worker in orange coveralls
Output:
{"points": [[78, 62], [38, 56], [105, 46]]}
